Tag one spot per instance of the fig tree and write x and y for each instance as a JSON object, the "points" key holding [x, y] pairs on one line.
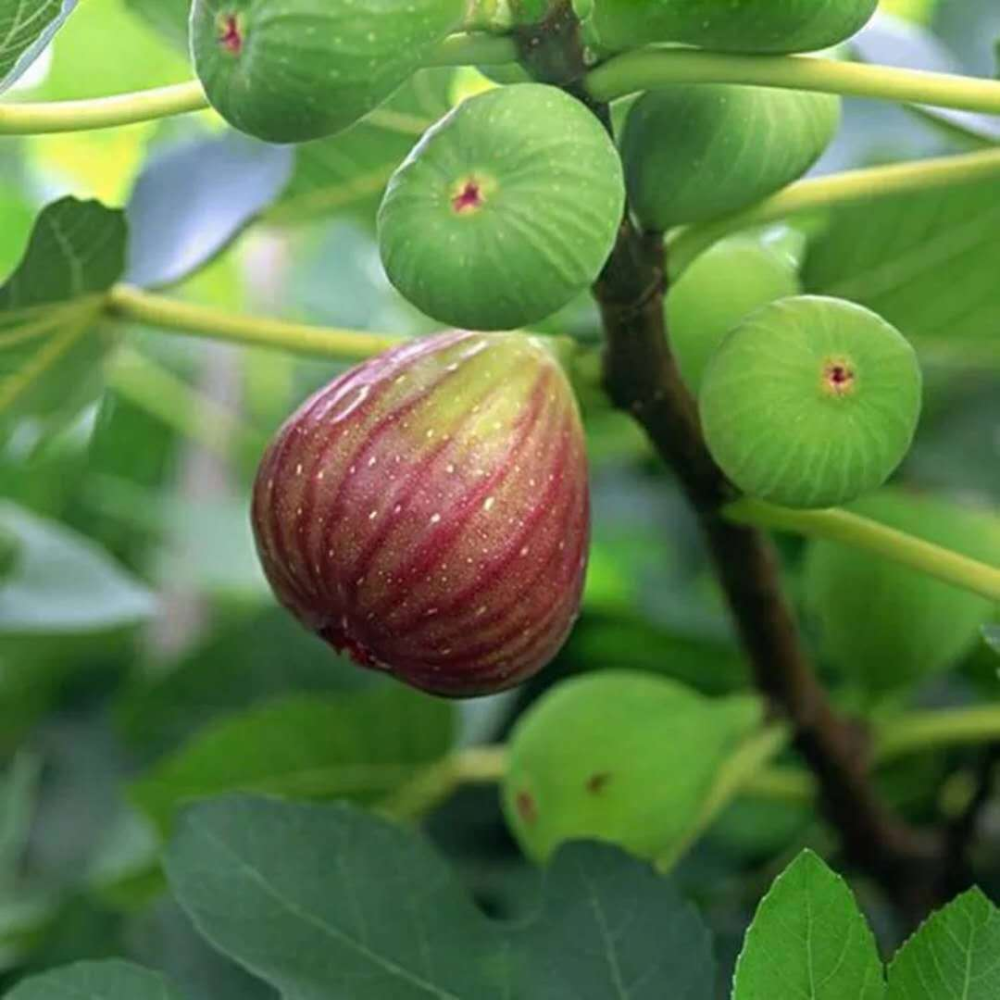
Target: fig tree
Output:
{"points": [[505, 210], [427, 512]]}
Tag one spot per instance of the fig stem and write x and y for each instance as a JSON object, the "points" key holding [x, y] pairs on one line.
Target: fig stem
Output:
{"points": [[864, 533], [913, 732], [647, 69], [845, 188], [105, 112], [46, 117], [126, 302]]}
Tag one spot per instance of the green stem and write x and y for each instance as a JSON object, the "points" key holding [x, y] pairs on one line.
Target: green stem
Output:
{"points": [[474, 49], [863, 533], [918, 731], [39, 118], [103, 112], [846, 188], [130, 303], [476, 766], [748, 775], [648, 69]]}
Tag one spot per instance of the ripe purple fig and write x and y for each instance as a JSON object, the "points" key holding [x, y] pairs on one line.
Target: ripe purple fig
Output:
{"points": [[428, 512]]}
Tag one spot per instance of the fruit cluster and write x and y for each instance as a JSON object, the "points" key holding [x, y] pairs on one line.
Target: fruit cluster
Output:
{"points": [[427, 511]]}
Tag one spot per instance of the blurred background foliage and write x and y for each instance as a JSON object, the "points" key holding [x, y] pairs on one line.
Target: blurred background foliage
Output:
{"points": [[149, 661]]}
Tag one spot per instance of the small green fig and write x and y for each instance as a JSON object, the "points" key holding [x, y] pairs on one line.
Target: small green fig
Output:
{"points": [[505, 211], [693, 152], [719, 290], [293, 70], [811, 402], [725, 25], [886, 625], [428, 512], [620, 756]]}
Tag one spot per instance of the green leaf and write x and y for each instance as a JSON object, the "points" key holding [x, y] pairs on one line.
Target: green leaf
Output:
{"points": [[110, 980], [926, 262], [63, 583], [956, 953], [562, 784], [809, 940], [193, 200], [251, 660], [26, 27], [327, 902], [350, 171], [630, 933], [50, 307], [362, 747]]}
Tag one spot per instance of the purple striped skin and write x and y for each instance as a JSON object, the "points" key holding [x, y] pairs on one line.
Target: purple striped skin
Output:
{"points": [[428, 512]]}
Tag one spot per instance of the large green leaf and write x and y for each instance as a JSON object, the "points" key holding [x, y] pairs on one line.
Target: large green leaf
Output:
{"points": [[927, 262], [956, 953], [62, 583], [329, 902], [362, 746], [350, 171], [809, 940], [26, 27], [50, 308], [110, 980], [629, 932]]}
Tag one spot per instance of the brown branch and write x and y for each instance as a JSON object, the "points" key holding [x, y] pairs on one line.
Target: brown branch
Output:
{"points": [[642, 378]]}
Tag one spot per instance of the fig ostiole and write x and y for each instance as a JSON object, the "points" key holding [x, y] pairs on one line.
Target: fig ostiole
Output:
{"points": [[724, 25], [505, 211], [428, 512], [811, 402], [694, 152], [294, 70]]}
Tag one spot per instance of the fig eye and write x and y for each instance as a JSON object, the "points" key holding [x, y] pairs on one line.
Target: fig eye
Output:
{"points": [[811, 402]]}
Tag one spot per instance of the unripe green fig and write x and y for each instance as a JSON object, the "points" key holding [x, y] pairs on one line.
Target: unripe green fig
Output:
{"points": [[293, 70], [505, 211], [693, 152], [726, 25], [620, 756], [428, 512], [886, 625], [811, 402], [719, 290]]}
